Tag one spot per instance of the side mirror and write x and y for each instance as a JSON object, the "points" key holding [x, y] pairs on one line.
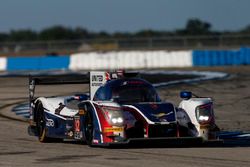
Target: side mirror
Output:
{"points": [[185, 95]]}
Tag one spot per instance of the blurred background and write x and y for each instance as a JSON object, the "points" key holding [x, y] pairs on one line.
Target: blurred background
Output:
{"points": [[61, 27]]}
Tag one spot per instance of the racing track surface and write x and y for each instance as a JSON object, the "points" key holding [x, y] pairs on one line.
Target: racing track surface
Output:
{"points": [[232, 104]]}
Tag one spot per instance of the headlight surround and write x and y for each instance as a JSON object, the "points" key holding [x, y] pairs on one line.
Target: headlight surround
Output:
{"points": [[204, 113], [113, 115]]}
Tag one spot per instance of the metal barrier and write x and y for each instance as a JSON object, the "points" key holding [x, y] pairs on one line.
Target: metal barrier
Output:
{"points": [[164, 43]]}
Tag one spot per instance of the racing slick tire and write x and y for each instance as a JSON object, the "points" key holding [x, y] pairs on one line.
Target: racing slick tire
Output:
{"points": [[41, 124], [89, 128]]}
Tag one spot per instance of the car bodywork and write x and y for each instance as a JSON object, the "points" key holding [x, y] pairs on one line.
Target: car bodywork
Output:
{"points": [[119, 109]]}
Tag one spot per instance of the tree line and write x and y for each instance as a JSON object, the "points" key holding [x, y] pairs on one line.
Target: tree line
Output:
{"points": [[194, 27]]}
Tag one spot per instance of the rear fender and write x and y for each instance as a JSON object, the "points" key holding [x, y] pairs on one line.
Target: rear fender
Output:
{"points": [[55, 124], [34, 105]]}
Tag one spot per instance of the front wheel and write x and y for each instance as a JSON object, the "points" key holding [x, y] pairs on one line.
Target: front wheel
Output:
{"points": [[89, 128]]}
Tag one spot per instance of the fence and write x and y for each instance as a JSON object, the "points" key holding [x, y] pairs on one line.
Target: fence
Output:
{"points": [[164, 43]]}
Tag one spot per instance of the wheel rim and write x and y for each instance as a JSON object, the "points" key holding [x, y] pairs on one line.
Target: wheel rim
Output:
{"points": [[40, 122]]}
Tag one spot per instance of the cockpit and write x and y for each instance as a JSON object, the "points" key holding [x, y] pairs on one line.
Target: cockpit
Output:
{"points": [[127, 91]]}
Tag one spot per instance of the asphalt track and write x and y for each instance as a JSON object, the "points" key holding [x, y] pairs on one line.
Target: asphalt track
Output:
{"points": [[232, 104]]}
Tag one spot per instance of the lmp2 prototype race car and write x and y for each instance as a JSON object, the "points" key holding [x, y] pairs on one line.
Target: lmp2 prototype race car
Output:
{"points": [[119, 109]]}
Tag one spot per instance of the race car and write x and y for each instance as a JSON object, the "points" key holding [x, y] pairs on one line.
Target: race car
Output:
{"points": [[119, 108]]}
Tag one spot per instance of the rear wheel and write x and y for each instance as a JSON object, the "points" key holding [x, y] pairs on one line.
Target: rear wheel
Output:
{"points": [[41, 124], [89, 128]]}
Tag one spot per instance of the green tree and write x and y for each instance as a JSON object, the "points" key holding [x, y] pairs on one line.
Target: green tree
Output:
{"points": [[146, 33], [56, 33], [3, 37], [22, 35], [121, 35], [81, 33], [196, 27], [245, 30], [103, 34]]}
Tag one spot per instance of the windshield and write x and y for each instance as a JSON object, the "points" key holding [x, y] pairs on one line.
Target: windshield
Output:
{"points": [[134, 94]]}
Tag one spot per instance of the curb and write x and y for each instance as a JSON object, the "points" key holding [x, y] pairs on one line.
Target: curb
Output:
{"points": [[10, 116]]}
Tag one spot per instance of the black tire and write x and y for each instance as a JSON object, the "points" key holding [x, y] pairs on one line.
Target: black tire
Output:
{"points": [[41, 124], [89, 128]]}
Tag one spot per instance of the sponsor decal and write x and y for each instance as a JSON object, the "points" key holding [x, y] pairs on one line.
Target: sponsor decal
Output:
{"points": [[82, 112], [71, 133], [50, 122], [77, 125], [96, 84], [117, 129], [97, 80], [125, 83], [69, 119], [68, 127], [78, 135], [162, 116]]}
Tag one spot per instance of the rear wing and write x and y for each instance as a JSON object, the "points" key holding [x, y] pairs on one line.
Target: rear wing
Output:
{"points": [[54, 80], [95, 79]]}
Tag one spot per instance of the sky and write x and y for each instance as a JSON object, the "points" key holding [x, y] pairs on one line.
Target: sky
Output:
{"points": [[122, 15]]}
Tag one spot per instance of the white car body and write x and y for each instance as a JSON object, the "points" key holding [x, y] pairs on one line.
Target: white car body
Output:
{"points": [[189, 106]]}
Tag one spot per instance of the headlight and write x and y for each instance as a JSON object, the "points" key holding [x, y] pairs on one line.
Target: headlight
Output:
{"points": [[117, 120], [113, 115], [203, 118], [204, 113]]}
